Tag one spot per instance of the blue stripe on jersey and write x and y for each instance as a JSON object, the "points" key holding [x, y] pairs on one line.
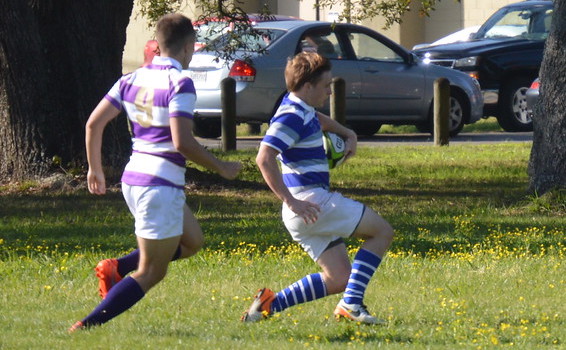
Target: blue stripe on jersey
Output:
{"points": [[294, 155], [274, 143], [306, 180]]}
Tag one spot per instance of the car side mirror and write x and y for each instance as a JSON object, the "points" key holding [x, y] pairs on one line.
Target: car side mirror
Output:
{"points": [[411, 59]]}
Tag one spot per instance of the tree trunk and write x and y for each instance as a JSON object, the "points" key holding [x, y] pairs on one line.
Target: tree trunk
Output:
{"points": [[547, 166], [57, 60]]}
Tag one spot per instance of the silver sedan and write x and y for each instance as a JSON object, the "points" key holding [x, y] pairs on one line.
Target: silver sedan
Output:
{"points": [[385, 84]]}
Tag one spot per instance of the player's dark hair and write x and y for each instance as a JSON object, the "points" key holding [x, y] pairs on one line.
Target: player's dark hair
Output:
{"points": [[173, 31], [305, 67]]}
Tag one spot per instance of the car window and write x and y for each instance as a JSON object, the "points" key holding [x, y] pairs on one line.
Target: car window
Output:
{"points": [[367, 48], [533, 24], [326, 44], [209, 30], [256, 39]]}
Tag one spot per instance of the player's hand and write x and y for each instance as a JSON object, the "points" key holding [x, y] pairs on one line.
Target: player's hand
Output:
{"points": [[305, 209], [351, 144], [230, 170], [96, 182]]}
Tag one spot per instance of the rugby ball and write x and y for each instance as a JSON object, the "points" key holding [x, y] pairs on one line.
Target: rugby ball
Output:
{"points": [[334, 147]]}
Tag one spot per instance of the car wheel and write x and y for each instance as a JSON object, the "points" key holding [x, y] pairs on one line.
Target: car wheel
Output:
{"points": [[364, 128], [513, 114], [457, 116], [208, 128]]}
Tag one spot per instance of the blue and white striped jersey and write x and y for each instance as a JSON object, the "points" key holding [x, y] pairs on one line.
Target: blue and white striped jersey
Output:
{"points": [[295, 132]]}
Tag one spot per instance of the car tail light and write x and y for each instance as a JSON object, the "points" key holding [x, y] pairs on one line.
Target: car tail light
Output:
{"points": [[242, 71], [535, 85]]}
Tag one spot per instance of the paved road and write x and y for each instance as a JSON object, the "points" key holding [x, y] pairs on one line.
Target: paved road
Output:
{"points": [[399, 139]]}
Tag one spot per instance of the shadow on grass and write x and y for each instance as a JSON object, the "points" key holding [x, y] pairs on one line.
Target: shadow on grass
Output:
{"points": [[78, 221], [368, 334]]}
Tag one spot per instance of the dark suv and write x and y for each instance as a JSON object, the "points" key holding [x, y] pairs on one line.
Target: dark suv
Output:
{"points": [[505, 56]]}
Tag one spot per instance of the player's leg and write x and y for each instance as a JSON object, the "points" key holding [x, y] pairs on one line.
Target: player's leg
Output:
{"points": [[378, 235], [335, 271], [376, 232], [111, 271], [155, 256], [192, 239], [154, 260], [336, 268]]}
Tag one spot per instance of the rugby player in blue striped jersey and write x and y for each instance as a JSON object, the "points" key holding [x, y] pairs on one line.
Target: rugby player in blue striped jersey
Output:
{"points": [[159, 102], [317, 218]]}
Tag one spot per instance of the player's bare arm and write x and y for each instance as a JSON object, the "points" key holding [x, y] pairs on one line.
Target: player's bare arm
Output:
{"points": [[267, 163], [100, 116], [188, 146], [349, 136]]}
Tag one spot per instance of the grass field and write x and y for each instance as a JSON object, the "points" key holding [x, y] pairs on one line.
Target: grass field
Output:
{"points": [[477, 262]]}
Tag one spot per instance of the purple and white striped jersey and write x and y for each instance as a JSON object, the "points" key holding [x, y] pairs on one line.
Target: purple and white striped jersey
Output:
{"points": [[150, 96]]}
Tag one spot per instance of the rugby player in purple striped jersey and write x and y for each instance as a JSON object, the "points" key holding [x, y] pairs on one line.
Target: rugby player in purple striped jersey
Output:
{"points": [[159, 102]]}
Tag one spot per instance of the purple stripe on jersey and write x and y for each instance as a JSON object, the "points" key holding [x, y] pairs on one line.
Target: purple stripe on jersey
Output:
{"points": [[138, 179], [115, 103], [161, 97], [130, 92], [186, 86], [152, 134], [182, 114], [175, 158]]}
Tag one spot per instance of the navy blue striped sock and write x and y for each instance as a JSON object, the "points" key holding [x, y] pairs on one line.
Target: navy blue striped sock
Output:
{"points": [[121, 297], [364, 265], [129, 263], [308, 288]]}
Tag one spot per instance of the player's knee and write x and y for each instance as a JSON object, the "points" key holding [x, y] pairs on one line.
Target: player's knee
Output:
{"points": [[147, 279], [386, 232], [157, 276], [192, 247]]}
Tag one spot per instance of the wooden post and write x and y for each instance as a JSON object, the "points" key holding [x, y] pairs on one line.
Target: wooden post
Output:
{"points": [[228, 101], [441, 111], [338, 100]]}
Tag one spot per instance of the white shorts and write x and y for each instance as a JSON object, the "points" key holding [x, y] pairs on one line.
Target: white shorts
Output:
{"points": [[157, 210], [338, 218]]}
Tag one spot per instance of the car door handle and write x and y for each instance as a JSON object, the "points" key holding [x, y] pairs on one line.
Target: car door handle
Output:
{"points": [[371, 70]]}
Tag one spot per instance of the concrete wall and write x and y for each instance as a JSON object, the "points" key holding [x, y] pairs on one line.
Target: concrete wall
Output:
{"points": [[475, 12]]}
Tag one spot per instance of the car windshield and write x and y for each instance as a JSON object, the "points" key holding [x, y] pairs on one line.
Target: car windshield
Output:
{"points": [[251, 40], [531, 23], [210, 30]]}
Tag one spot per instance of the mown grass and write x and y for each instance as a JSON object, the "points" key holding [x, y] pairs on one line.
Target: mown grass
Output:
{"points": [[477, 262]]}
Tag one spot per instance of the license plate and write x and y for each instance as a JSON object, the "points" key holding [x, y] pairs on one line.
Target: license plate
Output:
{"points": [[198, 76]]}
